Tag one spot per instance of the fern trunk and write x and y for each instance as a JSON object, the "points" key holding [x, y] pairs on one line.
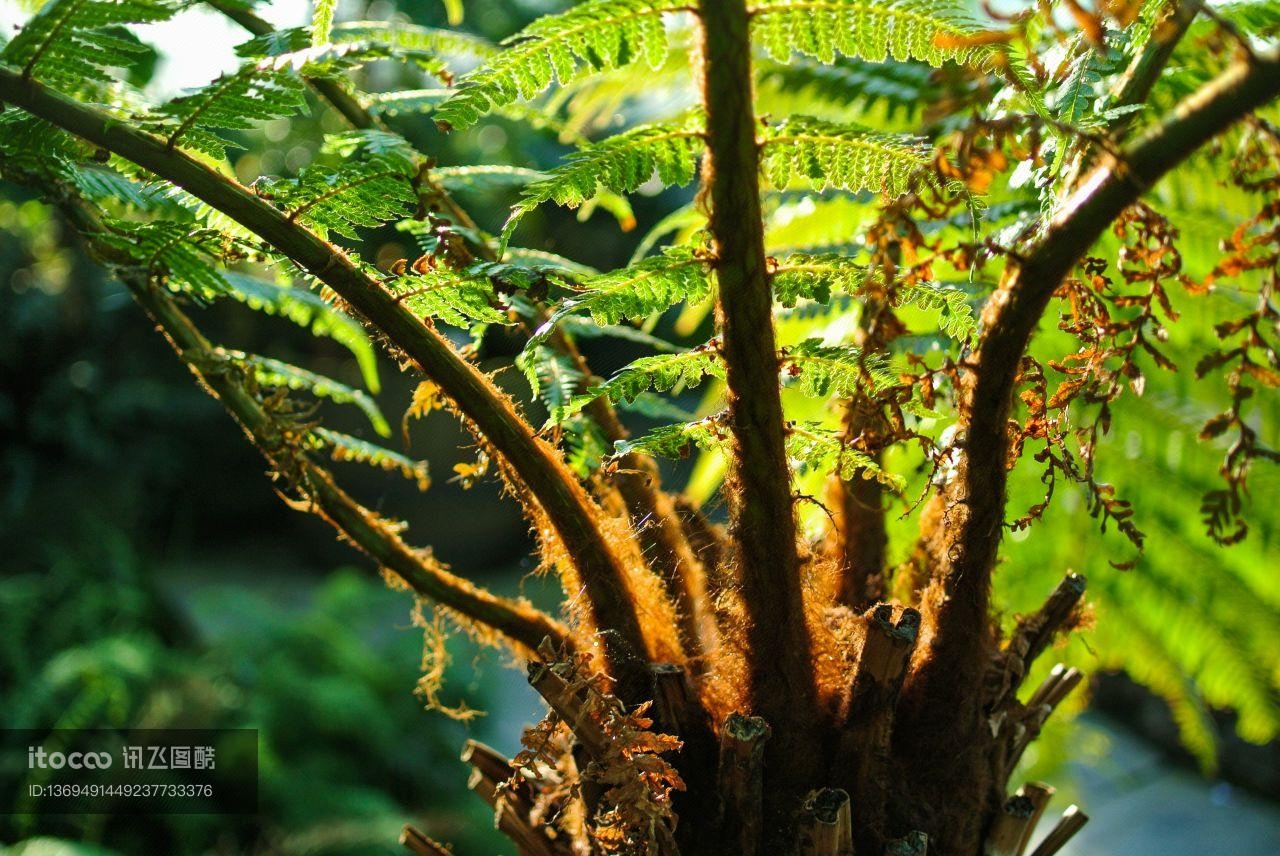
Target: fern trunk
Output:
{"points": [[745, 691]]}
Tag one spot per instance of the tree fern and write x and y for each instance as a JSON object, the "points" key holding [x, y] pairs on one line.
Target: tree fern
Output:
{"points": [[69, 42], [272, 373], [663, 373], [596, 35], [843, 156], [619, 164], [931, 31]]}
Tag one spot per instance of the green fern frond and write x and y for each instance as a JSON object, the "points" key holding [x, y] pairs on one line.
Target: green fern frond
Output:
{"points": [[310, 310], [955, 314], [181, 254], [322, 22], [662, 373], [932, 31], [70, 41], [485, 177], [679, 440], [814, 276], [344, 447], [454, 297], [357, 194], [275, 374], [619, 164], [423, 46], [553, 377], [590, 37], [843, 156], [678, 275], [900, 89], [257, 92], [815, 448], [822, 371]]}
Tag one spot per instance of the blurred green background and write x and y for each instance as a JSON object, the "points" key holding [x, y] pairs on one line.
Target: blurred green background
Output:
{"points": [[152, 578]]}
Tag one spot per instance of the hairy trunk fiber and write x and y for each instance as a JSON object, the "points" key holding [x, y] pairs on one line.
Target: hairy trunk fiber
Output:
{"points": [[864, 799]]}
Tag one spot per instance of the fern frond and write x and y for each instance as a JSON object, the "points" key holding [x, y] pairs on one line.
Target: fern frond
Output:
{"points": [[344, 447], [932, 31], [679, 440], [814, 276], [822, 371], [590, 37], [663, 373], [955, 314], [619, 164], [843, 156], [485, 177], [275, 374], [455, 297], [899, 88], [322, 22], [815, 448], [553, 377], [310, 310], [235, 101], [423, 46], [652, 285], [70, 41], [180, 254], [357, 194]]}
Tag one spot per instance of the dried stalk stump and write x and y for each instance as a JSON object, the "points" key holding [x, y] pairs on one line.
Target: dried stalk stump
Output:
{"points": [[742, 742], [1011, 830], [913, 844], [825, 824], [415, 841], [863, 754], [1073, 820]]}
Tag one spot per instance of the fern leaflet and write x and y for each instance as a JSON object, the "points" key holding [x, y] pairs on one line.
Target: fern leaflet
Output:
{"points": [[821, 370], [344, 447], [843, 156], [273, 373], [177, 253], [662, 373], [815, 448], [70, 41], [652, 285], [813, 276], [955, 314], [322, 22], [619, 164], [593, 36], [931, 31], [357, 194], [310, 310]]}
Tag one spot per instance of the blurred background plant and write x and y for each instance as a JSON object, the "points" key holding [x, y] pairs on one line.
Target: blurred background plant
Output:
{"points": [[151, 576]]}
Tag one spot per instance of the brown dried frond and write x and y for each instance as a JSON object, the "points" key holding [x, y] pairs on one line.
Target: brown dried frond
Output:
{"points": [[435, 662]]}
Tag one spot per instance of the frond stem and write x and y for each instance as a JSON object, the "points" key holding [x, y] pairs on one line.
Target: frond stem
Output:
{"points": [[781, 685], [571, 513]]}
